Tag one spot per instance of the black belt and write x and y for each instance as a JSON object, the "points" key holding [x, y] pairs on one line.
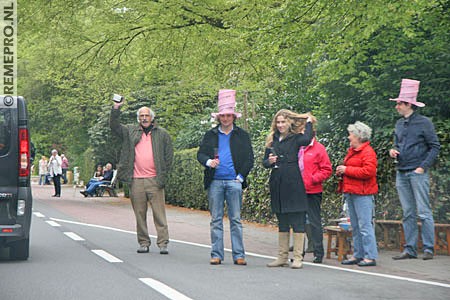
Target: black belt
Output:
{"points": [[405, 171]]}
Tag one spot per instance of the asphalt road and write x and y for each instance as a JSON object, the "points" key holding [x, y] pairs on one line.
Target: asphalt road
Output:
{"points": [[85, 248]]}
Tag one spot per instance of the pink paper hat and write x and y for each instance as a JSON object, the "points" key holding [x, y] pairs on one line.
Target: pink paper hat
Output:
{"points": [[408, 92], [227, 103]]}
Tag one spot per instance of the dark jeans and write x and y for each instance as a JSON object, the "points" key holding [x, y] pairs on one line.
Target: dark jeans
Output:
{"points": [[295, 220], [57, 183], [314, 210]]}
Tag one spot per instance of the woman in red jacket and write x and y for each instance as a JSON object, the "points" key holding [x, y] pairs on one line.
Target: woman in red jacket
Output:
{"points": [[315, 167], [359, 184]]}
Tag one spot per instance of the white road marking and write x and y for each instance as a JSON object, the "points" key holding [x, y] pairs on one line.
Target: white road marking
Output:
{"points": [[53, 223], [93, 225], [106, 256], [74, 236], [39, 215], [272, 257], [164, 289]]}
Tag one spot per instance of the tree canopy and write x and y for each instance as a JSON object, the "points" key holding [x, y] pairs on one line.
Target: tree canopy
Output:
{"points": [[341, 60]]}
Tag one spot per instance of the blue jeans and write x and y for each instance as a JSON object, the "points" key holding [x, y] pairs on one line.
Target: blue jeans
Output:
{"points": [[231, 192], [92, 186], [413, 191], [360, 208]]}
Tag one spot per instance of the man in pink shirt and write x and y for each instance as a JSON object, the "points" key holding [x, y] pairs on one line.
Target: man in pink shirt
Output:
{"points": [[145, 162]]}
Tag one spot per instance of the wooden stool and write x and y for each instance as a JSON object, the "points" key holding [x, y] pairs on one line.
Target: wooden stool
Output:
{"points": [[342, 247]]}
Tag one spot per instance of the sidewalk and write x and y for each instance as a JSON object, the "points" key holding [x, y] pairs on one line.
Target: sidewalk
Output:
{"points": [[193, 226]]}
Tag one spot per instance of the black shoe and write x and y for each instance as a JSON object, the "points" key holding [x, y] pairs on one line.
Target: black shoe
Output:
{"points": [[56, 196], [143, 249], [353, 261], [364, 263], [317, 260], [404, 255], [163, 250], [83, 193], [427, 255]]}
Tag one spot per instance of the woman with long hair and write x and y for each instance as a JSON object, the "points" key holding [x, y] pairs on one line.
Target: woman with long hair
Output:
{"points": [[289, 131]]}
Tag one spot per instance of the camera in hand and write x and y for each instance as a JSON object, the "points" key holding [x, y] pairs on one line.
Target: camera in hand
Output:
{"points": [[117, 98]]}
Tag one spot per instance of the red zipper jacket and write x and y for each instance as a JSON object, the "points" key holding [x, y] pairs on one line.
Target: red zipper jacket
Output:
{"points": [[360, 176], [317, 167]]}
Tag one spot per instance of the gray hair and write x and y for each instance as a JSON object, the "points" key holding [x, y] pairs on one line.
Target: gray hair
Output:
{"points": [[360, 130], [152, 113]]}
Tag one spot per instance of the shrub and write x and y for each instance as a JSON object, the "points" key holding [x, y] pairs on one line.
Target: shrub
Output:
{"points": [[185, 184]]}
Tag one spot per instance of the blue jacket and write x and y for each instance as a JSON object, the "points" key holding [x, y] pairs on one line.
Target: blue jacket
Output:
{"points": [[417, 142]]}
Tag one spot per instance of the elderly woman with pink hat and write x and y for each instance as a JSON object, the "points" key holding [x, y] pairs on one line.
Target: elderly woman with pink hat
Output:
{"points": [[227, 155], [416, 146]]}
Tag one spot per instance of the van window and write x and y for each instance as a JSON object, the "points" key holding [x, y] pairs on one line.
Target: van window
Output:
{"points": [[5, 130]]}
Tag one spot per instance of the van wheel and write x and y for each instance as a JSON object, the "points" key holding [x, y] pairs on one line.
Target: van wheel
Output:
{"points": [[20, 249]]}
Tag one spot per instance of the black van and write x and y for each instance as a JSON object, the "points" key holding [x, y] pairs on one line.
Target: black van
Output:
{"points": [[15, 189]]}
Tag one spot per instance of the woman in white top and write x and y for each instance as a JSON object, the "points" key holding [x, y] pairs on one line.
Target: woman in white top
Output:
{"points": [[54, 167]]}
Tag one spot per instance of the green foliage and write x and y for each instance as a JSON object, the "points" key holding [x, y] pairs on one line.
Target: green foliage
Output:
{"points": [[440, 175], [185, 184], [342, 60], [256, 198], [87, 166]]}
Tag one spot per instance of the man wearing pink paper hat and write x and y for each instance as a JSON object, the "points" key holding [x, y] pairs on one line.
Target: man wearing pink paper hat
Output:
{"points": [[227, 155], [416, 146]]}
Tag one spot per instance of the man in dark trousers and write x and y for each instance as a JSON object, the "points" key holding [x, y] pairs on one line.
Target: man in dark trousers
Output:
{"points": [[227, 155]]}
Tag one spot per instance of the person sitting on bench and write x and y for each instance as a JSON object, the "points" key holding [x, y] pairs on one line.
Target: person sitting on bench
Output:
{"points": [[96, 182]]}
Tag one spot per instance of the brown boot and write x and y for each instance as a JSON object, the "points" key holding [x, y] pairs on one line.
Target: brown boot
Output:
{"points": [[283, 244], [299, 241]]}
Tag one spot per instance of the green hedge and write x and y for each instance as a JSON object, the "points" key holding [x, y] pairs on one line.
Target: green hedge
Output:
{"points": [[185, 186]]}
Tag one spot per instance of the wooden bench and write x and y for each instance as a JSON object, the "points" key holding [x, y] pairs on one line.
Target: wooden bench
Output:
{"points": [[441, 235], [389, 226], [108, 187], [342, 242]]}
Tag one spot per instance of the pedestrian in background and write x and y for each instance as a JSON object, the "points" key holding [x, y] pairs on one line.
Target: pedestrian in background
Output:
{"points": [[289, 131], [359, 184], [145, 162], [95, 182], [65, 167], [55, 170], [416, 147], [43, 169], [98, 171], [315, 167], [227, 155]]}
